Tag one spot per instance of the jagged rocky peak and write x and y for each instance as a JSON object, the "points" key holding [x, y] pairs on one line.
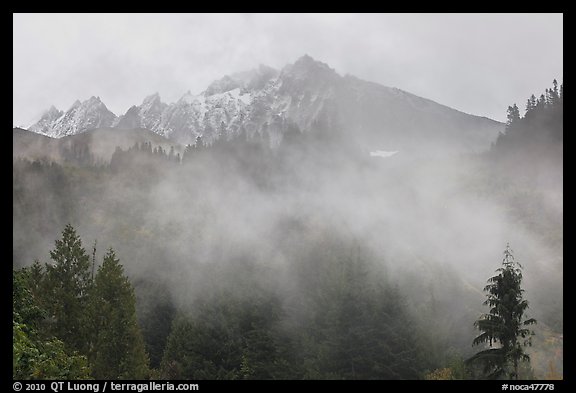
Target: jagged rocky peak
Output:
{"points": [[94, 104], [307, 74], [187, 99], [131, 119], [81, 117], [307, 93], [222, 85], [43, 125], [147, 115], [92, 101], [152, 103], [132, 110], [251, 80], [152, 98], [257, 78], [53, 112], [306, 60], [307, 67]]}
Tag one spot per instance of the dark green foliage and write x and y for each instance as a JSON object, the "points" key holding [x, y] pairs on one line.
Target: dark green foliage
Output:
{"points": [[226, 338], [366, 337], [118, 348], [156, 311], [504, 324], [44, 360], [67, 285], [358, 327], [343, 322], [33, 355], [69, 325], [34, 359], [455, 369], [25, 307]]}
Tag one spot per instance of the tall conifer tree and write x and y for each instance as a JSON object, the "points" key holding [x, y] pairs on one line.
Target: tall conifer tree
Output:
{"points": [[504, 325], [118, 351]]}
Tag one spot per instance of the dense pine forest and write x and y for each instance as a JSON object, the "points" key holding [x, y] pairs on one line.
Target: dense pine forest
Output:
{"points": [[241, 259]]}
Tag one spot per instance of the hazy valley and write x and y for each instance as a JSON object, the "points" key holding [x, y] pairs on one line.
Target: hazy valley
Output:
{"points": [[265, 241]]}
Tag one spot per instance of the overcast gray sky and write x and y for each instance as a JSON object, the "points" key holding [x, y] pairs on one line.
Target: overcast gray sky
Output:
{"points": [[477, 63]]}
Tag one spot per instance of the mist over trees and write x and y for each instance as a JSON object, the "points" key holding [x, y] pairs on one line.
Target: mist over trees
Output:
{"points": [[240, 259], [76, 325]]}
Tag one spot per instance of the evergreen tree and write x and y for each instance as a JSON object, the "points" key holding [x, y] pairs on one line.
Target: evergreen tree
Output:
{"points": [[229, 338], [118, 348], [35, 356], [67, 285], [540, 129], [504, 324], [541, 102], [555, 93], [549, 97], [530, 104], [360, 328], [512, 116], [155, 316], [35, 282]]}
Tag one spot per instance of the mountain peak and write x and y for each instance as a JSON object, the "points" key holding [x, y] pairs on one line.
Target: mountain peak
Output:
{"points": [[307, 94], [81, 117], [152, 98], [222, 85], [93, 101], [48, 117], [187, 98], [306, 67], [263, 68], [307, 61], [52, 112], [305, 58], [254, 79]]}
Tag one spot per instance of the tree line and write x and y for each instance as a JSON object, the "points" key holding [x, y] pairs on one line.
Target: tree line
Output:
{"points": [[71, 321], [542, 123]]}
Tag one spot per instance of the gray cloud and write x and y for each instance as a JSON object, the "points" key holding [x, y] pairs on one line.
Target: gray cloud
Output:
{"points": [[477, 63]]}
